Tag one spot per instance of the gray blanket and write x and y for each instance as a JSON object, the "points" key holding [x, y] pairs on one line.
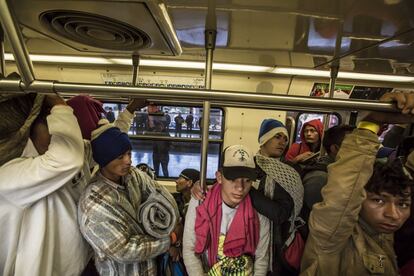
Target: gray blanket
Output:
{"points": [[158, 211]]}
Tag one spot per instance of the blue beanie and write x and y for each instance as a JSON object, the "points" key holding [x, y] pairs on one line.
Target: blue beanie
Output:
{"points": [[269, 128], [109, 145]]}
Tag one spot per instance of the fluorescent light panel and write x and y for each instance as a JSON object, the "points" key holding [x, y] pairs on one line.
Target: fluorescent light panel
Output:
{"points": [[301, 72], [216, 66]]}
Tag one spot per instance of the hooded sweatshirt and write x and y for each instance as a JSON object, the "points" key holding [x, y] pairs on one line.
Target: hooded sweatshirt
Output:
{"points": [[301, 147]]}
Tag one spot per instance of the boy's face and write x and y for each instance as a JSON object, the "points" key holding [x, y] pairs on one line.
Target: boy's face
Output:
{"points": [[385, 212], [275, 146], [183, 184], [311, 134], [120, 165], [233, 191]]}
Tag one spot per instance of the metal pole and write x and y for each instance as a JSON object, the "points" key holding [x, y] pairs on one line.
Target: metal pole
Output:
{"points": [[335, 63], [2, 59], [135, 67], [14, 34], [353, 118], [332, 81], [233, 98], [210, 44]]}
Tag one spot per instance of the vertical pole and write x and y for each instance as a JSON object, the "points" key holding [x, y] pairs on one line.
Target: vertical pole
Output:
{"points": [[353, 118], [2, 59], [332, 81], [14, 34], [135, 68], [210, 44]]}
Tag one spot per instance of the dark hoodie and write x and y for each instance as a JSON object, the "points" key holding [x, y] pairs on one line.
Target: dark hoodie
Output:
{"points": [[301, 147]]}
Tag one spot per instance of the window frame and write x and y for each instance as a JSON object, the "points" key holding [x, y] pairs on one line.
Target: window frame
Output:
{"points": [[219, 141]]}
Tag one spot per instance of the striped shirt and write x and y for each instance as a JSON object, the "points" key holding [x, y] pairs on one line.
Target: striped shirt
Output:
{"points": [[108, 221]]}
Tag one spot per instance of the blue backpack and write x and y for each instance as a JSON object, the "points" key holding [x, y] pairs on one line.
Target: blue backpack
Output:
{"points": [[167, 267]]}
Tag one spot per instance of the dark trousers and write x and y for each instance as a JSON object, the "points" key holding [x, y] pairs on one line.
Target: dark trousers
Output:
{"points": [[161, 159]]}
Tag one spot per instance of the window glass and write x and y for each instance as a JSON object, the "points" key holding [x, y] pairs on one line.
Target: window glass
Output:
{"points": [[178, 156], [178, 121], [170, 156]]}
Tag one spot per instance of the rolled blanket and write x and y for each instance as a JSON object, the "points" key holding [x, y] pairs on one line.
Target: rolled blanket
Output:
{"points": [[17, 113], [158, 211]]}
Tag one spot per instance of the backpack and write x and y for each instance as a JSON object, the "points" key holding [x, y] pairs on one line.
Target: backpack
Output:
{"points": [[167, 267], [290, 247]]}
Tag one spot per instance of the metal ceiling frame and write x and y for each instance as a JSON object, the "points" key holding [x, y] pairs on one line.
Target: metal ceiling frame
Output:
{"points": [[29, 83]]}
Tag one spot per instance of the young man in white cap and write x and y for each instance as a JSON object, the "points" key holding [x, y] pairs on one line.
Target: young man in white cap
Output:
{"points": [[225, 235], [280, 193]]}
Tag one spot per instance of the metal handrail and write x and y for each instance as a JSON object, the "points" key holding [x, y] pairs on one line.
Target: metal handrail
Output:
{"points": [[232, 98], [171, 138]]}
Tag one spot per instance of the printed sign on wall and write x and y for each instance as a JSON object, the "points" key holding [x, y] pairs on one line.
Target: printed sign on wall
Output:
{"points": [[341, 91], [369, 93], [159, 81]]}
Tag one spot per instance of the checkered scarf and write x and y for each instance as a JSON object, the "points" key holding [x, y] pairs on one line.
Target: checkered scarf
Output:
{"points": [[280, 173]]}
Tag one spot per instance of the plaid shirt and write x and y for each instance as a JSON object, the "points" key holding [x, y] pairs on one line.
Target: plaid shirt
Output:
{"points": [[108, 221]]}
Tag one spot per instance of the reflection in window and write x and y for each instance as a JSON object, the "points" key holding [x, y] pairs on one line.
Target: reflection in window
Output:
{"points": [[169, 158], [181, 155], [178, 121]]}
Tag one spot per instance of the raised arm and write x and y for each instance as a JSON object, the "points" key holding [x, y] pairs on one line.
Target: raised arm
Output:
{"points": [[29, 178], [124, 120], [333, 220]]}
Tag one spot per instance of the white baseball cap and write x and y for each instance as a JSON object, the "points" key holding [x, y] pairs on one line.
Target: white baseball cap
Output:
{"points": [[238, 162]]}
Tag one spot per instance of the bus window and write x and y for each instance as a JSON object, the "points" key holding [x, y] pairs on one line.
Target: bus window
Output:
{"points": [[168, 138]]}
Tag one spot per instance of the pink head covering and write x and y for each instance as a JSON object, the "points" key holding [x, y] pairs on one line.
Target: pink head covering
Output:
{"points": [[88, 111]]}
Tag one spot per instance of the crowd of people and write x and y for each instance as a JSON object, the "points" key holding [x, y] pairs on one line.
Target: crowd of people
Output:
{"points": [[73, 204]]}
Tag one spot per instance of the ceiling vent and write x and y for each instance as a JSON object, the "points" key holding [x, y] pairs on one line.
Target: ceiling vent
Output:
{"points": [[122, 26]]}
